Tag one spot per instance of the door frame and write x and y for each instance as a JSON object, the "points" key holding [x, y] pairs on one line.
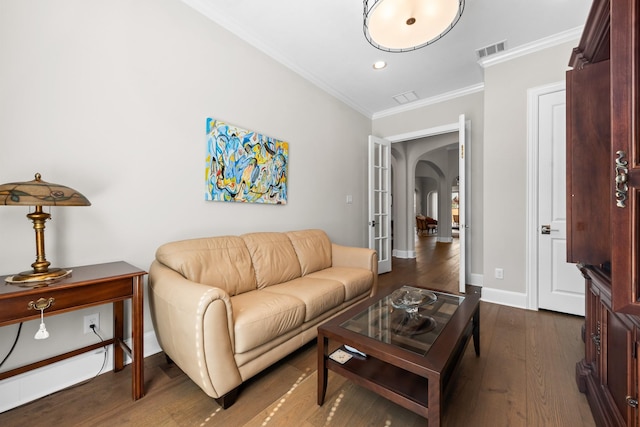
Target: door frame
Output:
{"points": [[434, 131], [531, 264]]}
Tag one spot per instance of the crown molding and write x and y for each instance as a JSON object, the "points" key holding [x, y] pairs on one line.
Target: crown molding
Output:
{"points": [[529, 48]]}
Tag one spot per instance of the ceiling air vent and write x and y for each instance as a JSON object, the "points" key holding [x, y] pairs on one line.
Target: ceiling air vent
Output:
{"points": [[406, 97], [491, 50]]}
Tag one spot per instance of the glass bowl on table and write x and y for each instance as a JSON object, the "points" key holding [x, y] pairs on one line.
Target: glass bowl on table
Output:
{"points": [[406, 316]]}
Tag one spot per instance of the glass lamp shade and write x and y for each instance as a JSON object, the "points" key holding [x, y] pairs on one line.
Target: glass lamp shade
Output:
{"points": [[39, 193], [406, 25]]}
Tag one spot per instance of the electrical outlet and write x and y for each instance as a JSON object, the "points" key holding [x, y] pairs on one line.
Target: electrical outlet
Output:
{"points": [[499, 273], [91, 319]]}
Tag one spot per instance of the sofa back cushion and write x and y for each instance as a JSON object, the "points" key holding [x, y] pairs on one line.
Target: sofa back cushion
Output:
{"points": [[223, 262], [273, 256], [313, 249]]}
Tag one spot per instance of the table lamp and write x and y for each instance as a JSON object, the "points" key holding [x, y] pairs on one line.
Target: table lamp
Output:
{"points": [[39, 193]]}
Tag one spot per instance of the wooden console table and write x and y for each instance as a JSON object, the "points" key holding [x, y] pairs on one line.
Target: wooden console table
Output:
{"points": [[87, 286]]}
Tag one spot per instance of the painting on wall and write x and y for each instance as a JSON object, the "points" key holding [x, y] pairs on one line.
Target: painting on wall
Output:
{"points": [[244, 166]]}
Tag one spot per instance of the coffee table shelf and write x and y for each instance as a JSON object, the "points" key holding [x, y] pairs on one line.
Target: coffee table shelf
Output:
{"points": [[415, 374], [407, 389]]}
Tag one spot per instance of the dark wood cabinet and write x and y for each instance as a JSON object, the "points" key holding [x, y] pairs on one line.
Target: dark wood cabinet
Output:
{"points": [[624, 146], [603, 205], [608, 373]]}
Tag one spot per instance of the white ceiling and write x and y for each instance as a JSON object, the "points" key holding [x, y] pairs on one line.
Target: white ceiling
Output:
{"points": [[323, 41]]}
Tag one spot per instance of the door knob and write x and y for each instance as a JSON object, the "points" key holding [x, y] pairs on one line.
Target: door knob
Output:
{"points": [[546, 229]]}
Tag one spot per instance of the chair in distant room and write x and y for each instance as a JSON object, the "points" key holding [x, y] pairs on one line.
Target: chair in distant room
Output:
{"points": [[432, 225], [425, 223], [421, 224]]}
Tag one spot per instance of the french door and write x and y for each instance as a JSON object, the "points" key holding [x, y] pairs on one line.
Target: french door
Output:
{"points": [[380, 201]]}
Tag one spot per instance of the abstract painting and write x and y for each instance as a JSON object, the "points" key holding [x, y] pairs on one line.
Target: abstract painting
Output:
{"points": [[244, 166]]}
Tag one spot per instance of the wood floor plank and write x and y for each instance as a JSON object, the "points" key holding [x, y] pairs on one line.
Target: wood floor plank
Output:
{"points": [[503, 390], [299, 403], [545, 401], [465, 390], [551, 356]]}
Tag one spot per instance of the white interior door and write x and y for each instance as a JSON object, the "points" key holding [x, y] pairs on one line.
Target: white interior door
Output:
{"points": [[462, 192], [380, 201], [560, 284]]}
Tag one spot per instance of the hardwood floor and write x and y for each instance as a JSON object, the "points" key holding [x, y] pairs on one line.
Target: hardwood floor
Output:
{"points": [[524, 377]]}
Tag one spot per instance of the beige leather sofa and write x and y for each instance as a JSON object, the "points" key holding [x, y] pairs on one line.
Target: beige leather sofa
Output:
{"points": [[225, 308]]}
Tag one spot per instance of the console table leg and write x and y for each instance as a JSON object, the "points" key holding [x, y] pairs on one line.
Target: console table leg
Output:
{"points": [[118, 335], [137, 338]]}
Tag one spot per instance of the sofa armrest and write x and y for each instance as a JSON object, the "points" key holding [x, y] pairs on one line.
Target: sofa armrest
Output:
{"points": [[194, 326], [351, 256]]}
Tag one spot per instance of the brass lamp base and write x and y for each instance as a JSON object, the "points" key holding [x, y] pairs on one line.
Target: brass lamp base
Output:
{"points": [[33, 280]]}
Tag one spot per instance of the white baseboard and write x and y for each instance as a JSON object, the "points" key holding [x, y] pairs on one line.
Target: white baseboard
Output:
{"points": [[32, 385], [498, 296], [403, 254]]}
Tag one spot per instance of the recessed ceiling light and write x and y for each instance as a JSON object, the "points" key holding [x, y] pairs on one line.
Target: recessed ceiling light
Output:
{"points": [[379, 65]]}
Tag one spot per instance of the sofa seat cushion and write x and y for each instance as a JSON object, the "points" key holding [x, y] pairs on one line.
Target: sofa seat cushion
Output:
{"points": [[356, 281], [319, 295], [260, 316]]}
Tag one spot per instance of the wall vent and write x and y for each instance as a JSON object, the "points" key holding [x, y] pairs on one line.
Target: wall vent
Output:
{"points": [[491, 50], [406, 97]]}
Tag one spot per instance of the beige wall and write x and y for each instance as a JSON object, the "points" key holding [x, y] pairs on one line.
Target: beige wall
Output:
{"points": [[111, 98], [505, 160]]}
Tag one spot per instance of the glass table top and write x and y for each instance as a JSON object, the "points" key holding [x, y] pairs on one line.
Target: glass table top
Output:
{"points": [[410, 318]]}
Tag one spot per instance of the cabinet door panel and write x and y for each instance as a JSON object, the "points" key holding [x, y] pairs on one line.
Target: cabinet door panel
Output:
{"points": [[619, 361], [588, 133], [624, 148], [619, 365]]}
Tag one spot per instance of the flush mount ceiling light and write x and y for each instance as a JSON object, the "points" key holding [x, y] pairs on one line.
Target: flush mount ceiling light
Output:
{"points": [[406, 25]]}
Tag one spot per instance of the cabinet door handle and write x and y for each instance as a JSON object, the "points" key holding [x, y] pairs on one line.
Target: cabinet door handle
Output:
{"points": [[621, 179], [632, 402]]}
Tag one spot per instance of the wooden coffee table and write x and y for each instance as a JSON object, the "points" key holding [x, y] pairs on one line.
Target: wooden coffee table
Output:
{"points": [[409, 360]]}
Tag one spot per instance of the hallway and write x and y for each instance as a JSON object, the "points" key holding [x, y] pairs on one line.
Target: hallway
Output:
{"points": [[436, 266]]}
